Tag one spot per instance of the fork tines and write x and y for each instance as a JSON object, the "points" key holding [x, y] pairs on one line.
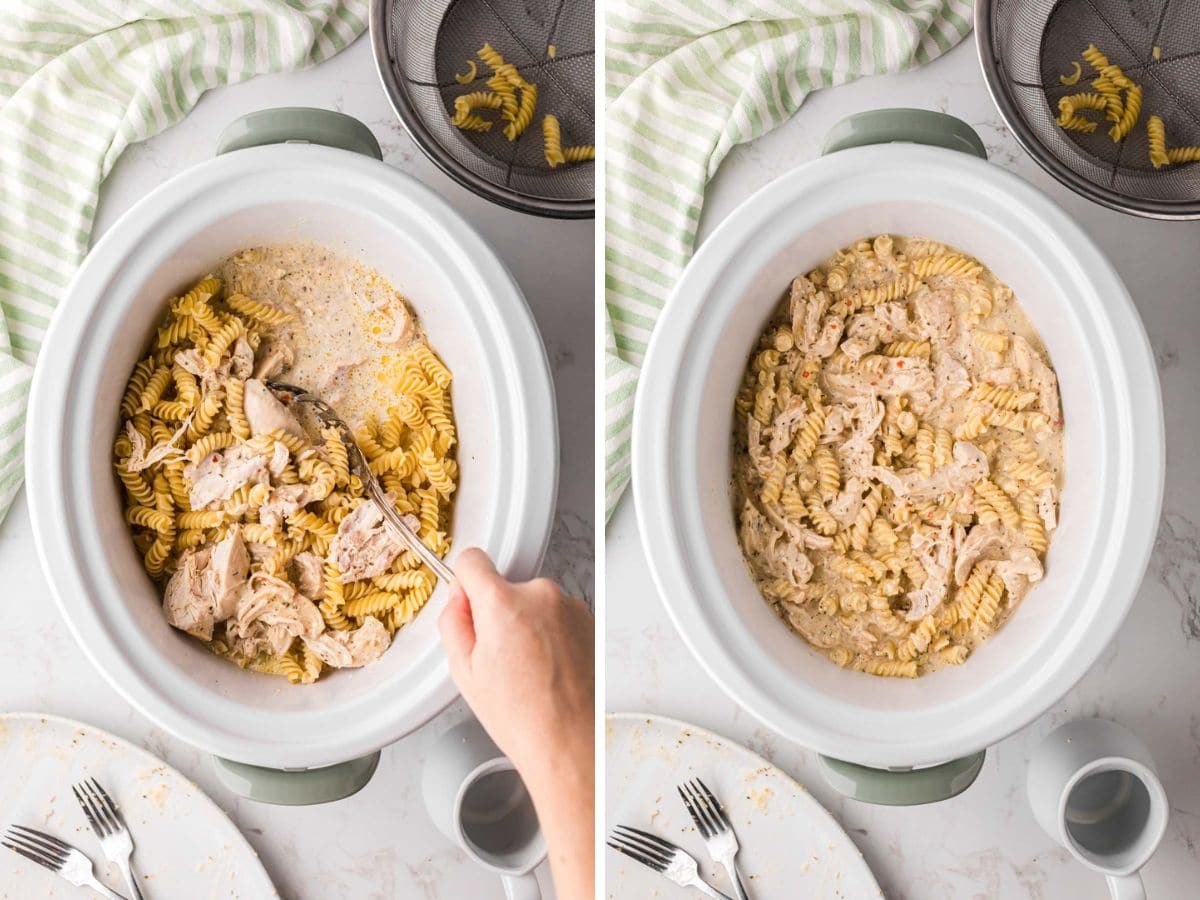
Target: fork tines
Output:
{"points": [[41, 848], [648, 849], [705, 810], [99, 808]]}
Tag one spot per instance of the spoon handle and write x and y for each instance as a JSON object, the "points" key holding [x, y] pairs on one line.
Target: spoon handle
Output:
{"points": [[406, 534]]}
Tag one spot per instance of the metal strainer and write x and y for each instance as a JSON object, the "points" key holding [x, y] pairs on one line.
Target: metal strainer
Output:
{"points": [[421, 45], [1025, 45]]}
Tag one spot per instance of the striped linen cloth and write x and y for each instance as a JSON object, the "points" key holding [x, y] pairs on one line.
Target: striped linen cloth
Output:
{"points": [[686, 81], [81, 80]]}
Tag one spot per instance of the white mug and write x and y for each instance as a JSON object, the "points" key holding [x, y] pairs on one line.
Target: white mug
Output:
{"points": [[1093, 788], [476, 798]]}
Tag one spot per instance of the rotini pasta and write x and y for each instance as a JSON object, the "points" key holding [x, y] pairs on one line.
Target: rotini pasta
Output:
{"points": [[220, 477], [895, 486], [552, 141], [1156, 135]]}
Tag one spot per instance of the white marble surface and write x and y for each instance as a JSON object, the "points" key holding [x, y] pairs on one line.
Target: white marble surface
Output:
{"points": [[984, 843], [379, 843]]}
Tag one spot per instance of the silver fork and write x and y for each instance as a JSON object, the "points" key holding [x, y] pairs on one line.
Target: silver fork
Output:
{"points": [[715, 828], [661, 856], [47, 850], [358, 463], [115, 840]]}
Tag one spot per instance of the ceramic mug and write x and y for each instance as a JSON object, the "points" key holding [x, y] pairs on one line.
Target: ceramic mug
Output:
{"points": [[476, 798], [1093, 788]]}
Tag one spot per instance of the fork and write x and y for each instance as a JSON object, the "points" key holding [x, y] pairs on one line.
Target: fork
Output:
{"points": [[715, 828], [661, 856], [115, 840], [47, 850], [358, 462]]}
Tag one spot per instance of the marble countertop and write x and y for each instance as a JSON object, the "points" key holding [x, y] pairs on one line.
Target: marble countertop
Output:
{"points": [[380, 843], [985, 842]]}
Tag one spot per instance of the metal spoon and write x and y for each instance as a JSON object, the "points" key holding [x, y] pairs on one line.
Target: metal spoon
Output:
{"points": [[358, 464]]}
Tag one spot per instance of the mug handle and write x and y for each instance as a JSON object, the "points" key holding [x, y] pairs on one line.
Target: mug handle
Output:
{"points": [[917, 126], [521, 887], [301, 787], [908, 787], [298, 125], [1126, 887]]}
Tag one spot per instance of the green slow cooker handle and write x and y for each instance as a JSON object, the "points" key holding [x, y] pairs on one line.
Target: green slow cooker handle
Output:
{"points": [[917, 126], [902, 787], [299, 787], [298, 125]]}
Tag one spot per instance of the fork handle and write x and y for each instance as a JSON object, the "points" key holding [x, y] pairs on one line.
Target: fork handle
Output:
{"points": [[736, 877], [440, 569], [101, 889], [135, 892], [708, 890]]}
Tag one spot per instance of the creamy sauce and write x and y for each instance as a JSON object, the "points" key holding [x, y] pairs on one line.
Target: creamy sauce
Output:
{"points": [[880, 340], [350, 328]]}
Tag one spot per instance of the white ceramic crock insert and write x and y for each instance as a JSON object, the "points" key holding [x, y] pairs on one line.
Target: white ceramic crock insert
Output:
{"points": [[1114, 452], [475, 317]]}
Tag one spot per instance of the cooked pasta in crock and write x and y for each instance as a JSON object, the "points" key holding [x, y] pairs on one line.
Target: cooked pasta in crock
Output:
{"points": [[897, 456], [248, 517]]}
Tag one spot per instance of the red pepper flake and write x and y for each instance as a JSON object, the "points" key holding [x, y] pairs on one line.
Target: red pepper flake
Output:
{"points": [[899, 364]]}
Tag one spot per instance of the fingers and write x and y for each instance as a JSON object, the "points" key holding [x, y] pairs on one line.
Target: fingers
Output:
{"points": [[473, 569], [457, 628], [484, 586]]}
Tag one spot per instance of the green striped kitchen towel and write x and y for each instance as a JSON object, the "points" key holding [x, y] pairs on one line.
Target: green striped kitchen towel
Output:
{"points": [[81, 80], [686, 81]]}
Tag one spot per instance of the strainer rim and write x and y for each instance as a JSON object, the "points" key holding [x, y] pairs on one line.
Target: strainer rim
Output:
{"points": [[997, 89], [398, 99]]}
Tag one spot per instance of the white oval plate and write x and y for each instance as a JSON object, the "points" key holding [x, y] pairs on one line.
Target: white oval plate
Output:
{"points": [[791, 848], [185, 846]]}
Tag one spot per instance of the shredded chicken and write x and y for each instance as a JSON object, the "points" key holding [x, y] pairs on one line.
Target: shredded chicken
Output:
{"points": [[144, 456], [270, 616], [1018, 572], [785, 425], [1042, 378], [935, 317], [808, 305], [266, 413], [897, 376], [274, 357], [282, 502], [930, 387], [935, 555], [216, 477], [305, 572], [204, 589], [365, 546], [241, 363], [348, 649], [981, 540]]}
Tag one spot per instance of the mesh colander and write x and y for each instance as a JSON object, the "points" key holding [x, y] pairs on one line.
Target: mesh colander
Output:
{"points": [[419, 48], [1025, 45]]}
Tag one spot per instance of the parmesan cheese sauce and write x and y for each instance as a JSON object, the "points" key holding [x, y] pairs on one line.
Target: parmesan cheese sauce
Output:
{"points": [[350, 329], [1001, 315]]}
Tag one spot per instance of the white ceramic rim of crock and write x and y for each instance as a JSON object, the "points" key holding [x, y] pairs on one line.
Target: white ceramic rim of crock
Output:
{"points": [[1158, 805], [537, 845], [521, 531], [666, 493]]}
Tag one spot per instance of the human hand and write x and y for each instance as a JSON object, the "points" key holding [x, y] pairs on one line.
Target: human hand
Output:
{"points": [[523, 657]]}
